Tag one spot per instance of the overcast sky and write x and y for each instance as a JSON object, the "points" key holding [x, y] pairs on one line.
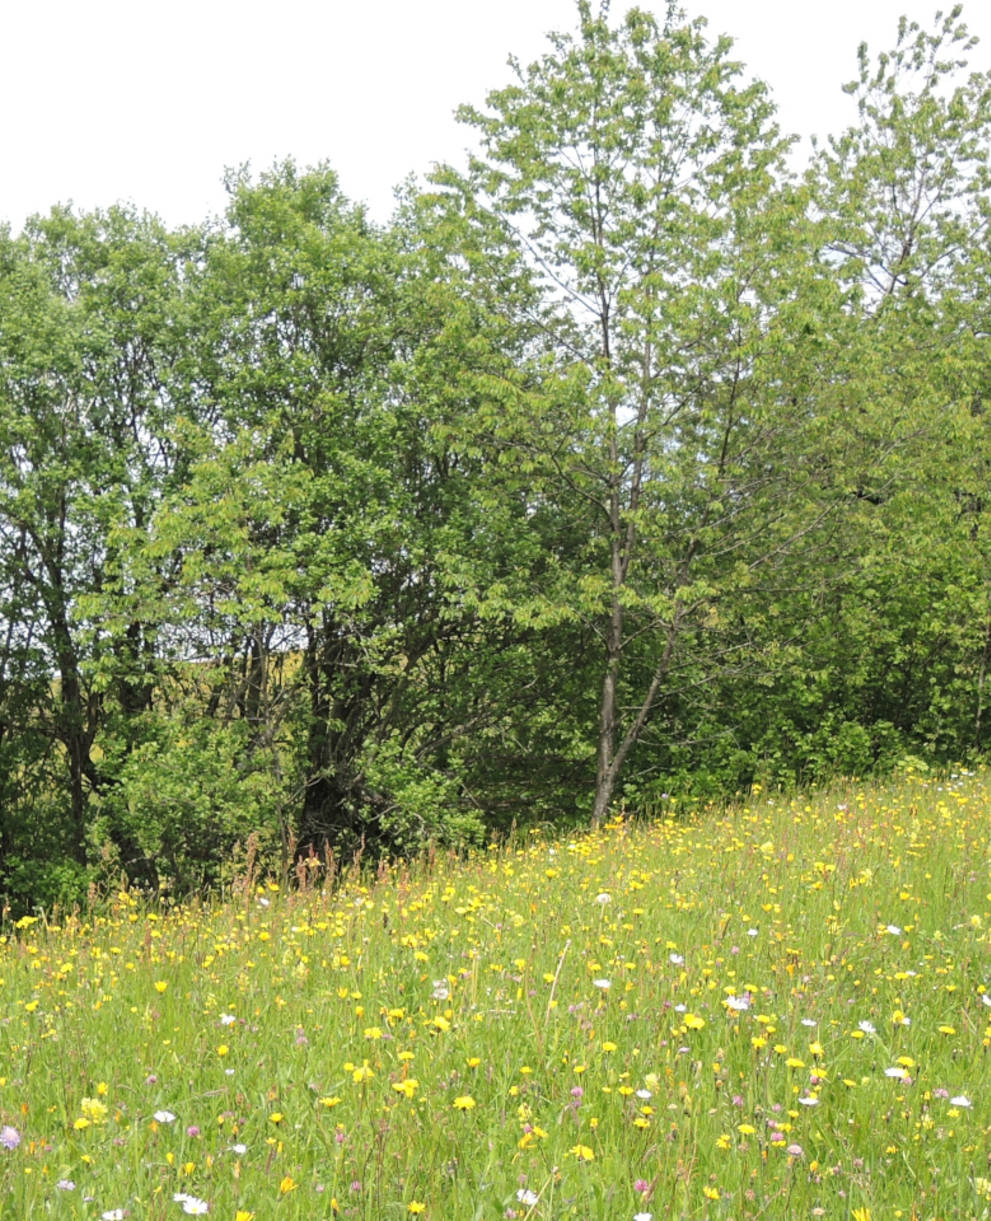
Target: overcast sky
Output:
{"points": [[105, 100]]}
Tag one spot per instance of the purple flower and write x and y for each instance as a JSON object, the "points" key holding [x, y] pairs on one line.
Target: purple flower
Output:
{"points": [[10, 1138]]}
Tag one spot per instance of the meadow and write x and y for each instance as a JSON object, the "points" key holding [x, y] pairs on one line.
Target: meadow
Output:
{"points": [[782, 1009]]}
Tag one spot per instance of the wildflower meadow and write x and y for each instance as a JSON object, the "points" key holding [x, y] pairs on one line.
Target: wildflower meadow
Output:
{"points": [[782, 1009]]}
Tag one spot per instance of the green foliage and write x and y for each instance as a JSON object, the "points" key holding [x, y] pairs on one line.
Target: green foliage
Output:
{"points": [[621, 464], [184, 797]]}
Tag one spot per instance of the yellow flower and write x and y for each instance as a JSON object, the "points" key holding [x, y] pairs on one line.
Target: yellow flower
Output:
{"points": [[94, 1110], [582, 1152], [276, 1117], [242, 1214], [161, 985], [693, 1021], [464, 1103], [861, 1214], [407, 1087], [288, 1184], [415, 1206]]}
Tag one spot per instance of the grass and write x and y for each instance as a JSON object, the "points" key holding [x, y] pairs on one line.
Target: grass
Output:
{"points": [[780, 1011]]}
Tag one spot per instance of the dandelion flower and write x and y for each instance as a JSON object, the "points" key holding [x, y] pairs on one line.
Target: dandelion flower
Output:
{"points": [[464, 1103]]}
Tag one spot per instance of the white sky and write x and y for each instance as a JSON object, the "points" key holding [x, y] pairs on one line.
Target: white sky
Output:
{"points": [[103, 100]]}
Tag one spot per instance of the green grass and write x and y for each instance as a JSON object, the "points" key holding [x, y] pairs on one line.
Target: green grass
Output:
{"points": [[780, 1011]]}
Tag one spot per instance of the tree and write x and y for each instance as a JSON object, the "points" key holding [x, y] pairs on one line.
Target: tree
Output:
{"points": [[639, 179], [322, 507], [903, 199], [88, 308]]}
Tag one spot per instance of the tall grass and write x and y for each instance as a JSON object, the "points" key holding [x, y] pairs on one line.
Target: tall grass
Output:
{"points": [[783, 1010]]}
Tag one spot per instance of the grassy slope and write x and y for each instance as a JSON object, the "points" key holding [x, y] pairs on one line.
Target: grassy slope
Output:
{"points": [[781, 1011]]}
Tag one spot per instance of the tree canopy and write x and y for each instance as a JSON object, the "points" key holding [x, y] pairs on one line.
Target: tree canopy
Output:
{"points": [[628, 462]]}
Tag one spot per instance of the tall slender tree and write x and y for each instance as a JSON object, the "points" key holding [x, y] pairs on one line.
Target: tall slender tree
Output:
{"points": [[639, 176]]}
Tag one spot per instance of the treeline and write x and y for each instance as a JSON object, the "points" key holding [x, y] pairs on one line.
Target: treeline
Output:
{"points": [[625, 462]]}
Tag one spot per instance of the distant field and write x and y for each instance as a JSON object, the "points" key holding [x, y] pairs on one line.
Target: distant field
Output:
{"points": [[781, 1011]]}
